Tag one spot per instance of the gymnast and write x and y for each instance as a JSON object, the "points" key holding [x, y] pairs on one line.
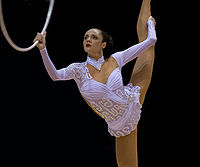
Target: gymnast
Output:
{"points": [[100, 82]]}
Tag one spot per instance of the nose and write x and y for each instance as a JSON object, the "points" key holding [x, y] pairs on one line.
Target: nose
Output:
{"points": [[88, 39]]}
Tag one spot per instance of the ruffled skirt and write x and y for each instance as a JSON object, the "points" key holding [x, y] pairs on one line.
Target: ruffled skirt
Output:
{"points": [[128, 122]]}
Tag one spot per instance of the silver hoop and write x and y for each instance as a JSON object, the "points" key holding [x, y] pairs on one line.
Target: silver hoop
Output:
{"points": [[5, 33]]}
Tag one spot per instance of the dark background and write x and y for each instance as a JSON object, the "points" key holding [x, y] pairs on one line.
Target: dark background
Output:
{"points": [[48, 123]]}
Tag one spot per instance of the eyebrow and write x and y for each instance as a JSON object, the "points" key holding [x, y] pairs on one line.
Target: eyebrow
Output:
{"points": [[91, 34]]}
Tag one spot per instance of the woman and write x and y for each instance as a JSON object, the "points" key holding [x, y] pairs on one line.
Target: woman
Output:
{"points": [[100, 81]]}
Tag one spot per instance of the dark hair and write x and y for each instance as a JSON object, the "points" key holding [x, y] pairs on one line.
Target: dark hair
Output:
{"points": [[109, 43]]}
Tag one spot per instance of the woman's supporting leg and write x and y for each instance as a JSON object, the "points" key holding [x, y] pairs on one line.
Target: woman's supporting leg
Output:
{"points": [[126, 147], [126, 150]]}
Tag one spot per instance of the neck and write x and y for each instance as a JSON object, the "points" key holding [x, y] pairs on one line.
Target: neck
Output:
{"points": [[97, 63], [96, 57]]}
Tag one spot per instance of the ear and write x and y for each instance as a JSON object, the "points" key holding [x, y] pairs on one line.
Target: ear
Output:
{"points": [[104, 45]]}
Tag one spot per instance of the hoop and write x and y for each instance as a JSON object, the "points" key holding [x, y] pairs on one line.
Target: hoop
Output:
{"points": [[5, 33]]}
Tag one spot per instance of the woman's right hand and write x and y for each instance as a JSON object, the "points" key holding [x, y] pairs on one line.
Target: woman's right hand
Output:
{"points": [[42, 40]]}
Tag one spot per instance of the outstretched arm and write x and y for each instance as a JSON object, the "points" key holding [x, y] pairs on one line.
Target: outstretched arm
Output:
{"points": [[134, 51], [51, 69], [55, 74]]}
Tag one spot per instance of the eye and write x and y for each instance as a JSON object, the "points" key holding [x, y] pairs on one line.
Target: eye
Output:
{"points": [[95, 37], [86, 37]]}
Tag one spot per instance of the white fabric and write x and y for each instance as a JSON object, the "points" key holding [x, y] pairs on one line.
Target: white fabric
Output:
{"points": [[97, 64]]}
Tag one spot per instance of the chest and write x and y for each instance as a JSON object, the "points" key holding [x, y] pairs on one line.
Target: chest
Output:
{"points": [[104, 84], [102, 75], [93, 89]]}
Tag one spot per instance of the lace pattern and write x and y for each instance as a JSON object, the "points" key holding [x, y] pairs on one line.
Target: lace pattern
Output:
{"points": [[120, 107], [78, 72]]}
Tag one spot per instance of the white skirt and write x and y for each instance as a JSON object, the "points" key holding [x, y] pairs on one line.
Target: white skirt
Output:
{"points": [[130, 119]]}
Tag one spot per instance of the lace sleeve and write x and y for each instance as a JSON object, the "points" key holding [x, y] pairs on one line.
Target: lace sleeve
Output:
{"points": [[70, 71]]}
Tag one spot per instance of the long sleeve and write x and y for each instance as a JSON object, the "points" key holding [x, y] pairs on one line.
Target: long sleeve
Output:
{"points": [[131, 53], [62, 74]]}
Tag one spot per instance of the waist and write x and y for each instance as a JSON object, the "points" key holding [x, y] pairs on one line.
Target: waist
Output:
{"points": [[108, 109]]}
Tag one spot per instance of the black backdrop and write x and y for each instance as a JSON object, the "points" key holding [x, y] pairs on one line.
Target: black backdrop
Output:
{"points": [[48, 123]]}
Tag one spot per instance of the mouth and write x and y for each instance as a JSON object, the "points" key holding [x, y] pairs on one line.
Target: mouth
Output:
{"points": [[88, 45]]}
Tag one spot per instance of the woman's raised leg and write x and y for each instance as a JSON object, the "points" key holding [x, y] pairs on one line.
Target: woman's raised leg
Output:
{"points": [[142, 71], [126, 147]]}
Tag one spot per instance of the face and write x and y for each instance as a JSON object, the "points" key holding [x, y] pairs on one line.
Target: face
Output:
{"points": [[92, 42]]}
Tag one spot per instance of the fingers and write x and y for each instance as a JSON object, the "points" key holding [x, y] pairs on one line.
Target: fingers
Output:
{"points": [[39, 37], [45, 33], [44, 36], [154, 21]]}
